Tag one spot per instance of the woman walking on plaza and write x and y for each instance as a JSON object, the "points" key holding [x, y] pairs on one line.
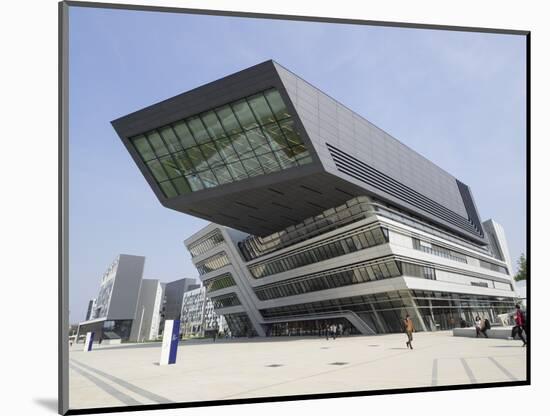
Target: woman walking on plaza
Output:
{"points": [[520, 326], [409, 329]]}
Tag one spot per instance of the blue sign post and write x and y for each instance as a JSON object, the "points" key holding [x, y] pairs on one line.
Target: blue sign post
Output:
{"points": [[170, 342], [89, 341]]}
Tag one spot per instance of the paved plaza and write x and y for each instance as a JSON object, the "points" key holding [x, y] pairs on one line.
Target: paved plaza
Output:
{"points": [[129, 374]]}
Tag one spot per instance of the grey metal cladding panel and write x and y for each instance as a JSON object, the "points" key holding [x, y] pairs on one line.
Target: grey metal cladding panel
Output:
{"points": [[268, 209], [408, 167], [205, 97], [385, 187], [355, 135]]}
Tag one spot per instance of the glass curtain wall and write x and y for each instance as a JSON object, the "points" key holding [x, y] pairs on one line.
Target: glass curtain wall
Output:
{"points": [[252, 136], [384, 312], [239, 325], [345, 244]]}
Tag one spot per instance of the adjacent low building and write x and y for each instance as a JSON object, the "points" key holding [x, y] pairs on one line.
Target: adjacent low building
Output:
{"points": [[318, 216], [173, 296], [116, 303]]}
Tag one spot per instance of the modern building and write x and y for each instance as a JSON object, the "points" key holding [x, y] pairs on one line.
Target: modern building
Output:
{"points": [[197, 315], [116, 302], [91, 309], [318, 215], [173, 296], [146, 323]]}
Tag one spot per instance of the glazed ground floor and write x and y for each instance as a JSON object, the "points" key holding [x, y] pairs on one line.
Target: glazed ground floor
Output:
{"points": [[380, 313]]}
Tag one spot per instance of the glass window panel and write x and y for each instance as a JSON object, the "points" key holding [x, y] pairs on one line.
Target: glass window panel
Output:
{"points": [[241, 145], [299, 150], [170, 167], [226, 150], [168, 189], [195, 155], [370, 238], [144, 149], [269, 163], [170, 139], [183, 162], [284, 159], [213, 125], [290, 132], [253, 167], [370, 273], [228, 120], [275, 136], [157, 144], [258, 141], [364, 274], [208, 179], [378, 236], [277, 105], [377, 271], [244, 115], [185, 136], [384, 270], [157, 170], [392, 267], [182, 186], [363, 240], [195, 182], [223, 175], [211, 154], [237, 170], [261, 109], [198, 130]]}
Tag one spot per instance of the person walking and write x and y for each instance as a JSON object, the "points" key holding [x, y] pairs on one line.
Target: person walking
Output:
{"points": [[520, 326], [409, 329], [486, 325], [341, 330], [478, 326], [327, 331], [333, 331]]}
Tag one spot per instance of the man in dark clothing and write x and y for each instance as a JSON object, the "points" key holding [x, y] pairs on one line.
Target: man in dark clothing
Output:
{"points": [[520, 325]]}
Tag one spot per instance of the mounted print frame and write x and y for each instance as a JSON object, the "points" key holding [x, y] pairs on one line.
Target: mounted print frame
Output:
{"points": [[259, 208]]}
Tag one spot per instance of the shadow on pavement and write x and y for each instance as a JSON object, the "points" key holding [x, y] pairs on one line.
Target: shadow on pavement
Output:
{"points": [[507, 346], [50, 404]]}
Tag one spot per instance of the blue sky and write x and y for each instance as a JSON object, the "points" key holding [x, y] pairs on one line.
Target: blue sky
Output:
{"points": [[456, 98]]}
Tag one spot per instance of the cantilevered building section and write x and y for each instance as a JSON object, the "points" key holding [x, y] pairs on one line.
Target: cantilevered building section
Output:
{"points": [[318, 215]]}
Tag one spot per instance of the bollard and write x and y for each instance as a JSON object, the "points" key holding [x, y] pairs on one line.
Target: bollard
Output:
{"points": [[170, 341]]}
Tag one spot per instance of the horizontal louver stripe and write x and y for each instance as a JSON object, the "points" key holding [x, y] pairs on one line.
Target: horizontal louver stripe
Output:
{"points": [[369, 175]]}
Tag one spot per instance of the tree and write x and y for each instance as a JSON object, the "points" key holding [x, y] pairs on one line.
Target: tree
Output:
{"points": [[522, 269]]}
